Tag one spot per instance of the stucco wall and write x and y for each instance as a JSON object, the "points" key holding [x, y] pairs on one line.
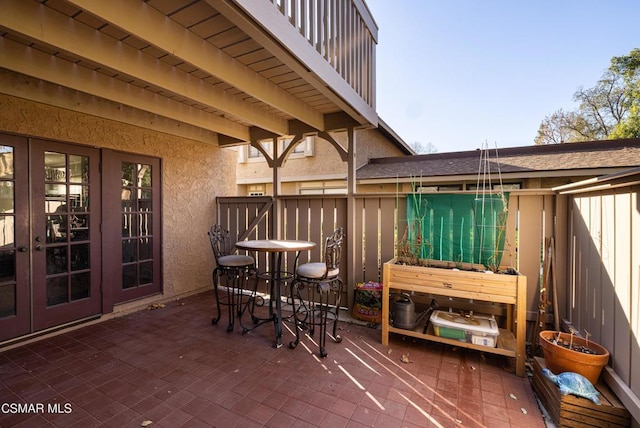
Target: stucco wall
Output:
{"points": [[373, 144], [326, 164], [325, 160], [193, 174]]}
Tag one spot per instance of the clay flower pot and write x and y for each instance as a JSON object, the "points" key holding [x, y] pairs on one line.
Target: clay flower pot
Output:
{"points": [[562, 359]]}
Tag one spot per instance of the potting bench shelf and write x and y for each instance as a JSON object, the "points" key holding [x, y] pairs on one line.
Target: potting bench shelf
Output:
{"points": [[475, 286], [506, 341]]}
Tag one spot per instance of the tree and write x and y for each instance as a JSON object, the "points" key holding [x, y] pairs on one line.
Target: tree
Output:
{"points": [[629, 67], [421, 148], [602, 107], [611, 109], [556, 128]]}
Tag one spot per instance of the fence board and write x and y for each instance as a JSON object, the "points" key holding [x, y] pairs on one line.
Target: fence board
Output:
{"points": [[549, 213], [359, 273], [622, 280], [389, 214], [593, 306], [585, 245], [607, 274], [530, 212], [510, 255], [562, 253], [316, 232], [634, 273], [370, 238]]}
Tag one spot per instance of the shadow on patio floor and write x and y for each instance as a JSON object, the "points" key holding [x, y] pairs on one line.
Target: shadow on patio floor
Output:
{"points": [[172, 367]]}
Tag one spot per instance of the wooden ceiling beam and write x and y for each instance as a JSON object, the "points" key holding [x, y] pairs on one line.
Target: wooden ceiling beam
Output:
{"points": [[146, 23], [22, 59], [49, 27]]}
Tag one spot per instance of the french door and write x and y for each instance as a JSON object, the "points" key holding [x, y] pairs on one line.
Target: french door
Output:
{"points": [[79, 232], [15, 292], [131, 226], [50, 248]]}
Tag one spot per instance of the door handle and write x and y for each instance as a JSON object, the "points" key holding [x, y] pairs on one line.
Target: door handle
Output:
{"points": [[23, 249], [39, 247]]}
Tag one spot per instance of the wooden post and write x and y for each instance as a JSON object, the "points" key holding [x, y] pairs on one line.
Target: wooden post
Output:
{"points": [[351, 213]]}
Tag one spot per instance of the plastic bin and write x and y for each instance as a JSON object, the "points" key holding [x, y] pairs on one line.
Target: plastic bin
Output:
{"points": [[477, 329]]}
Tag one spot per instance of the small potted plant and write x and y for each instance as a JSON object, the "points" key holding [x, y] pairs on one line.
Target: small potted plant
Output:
{"points": [[566, 352]]}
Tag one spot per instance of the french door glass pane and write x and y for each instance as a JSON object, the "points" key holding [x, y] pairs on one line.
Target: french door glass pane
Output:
{"points": [[57, 291], [129, 276], [80, 257], [7, 300], [146, 273], [7, 266], [56, 260], [129, 251], [146, 248], [6, 162], [78, 169], [67, 196], [6, 196], [7, 234], [136, 220], [80, 286]]}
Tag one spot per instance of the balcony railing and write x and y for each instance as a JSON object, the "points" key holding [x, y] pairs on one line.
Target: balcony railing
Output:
{"points": [[343, 32]]}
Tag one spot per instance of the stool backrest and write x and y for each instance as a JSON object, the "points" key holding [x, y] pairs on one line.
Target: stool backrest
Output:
{"points": [[220, 241], [333, 250]]}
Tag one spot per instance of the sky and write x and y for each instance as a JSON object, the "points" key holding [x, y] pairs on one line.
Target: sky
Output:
{"points": [[467, 74]]}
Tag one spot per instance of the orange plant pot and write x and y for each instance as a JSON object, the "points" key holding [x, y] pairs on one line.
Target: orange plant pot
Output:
{"points": [[560, 359]]}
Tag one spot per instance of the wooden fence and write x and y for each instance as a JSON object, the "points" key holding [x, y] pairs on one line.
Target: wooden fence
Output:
{"points": [[604, 281], [379, 221]]}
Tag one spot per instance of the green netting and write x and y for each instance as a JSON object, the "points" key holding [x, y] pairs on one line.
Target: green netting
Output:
{"points": [[458, 227]]}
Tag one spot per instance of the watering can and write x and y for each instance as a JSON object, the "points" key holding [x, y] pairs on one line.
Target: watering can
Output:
{"points": [[403, 313]]}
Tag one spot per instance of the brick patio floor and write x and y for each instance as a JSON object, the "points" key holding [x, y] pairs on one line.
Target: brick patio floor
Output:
{"points": [[172, 367]]}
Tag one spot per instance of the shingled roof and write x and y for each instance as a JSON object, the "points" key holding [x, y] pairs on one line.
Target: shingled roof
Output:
{"points": [[534, 159]]}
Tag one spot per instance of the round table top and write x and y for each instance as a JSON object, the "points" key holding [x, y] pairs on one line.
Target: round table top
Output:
{"points": [[275, 245]]}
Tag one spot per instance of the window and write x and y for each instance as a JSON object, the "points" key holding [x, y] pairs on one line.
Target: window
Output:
{"points": [[256, 190], [498, 187], [253, 153], [323, 188], [249, 153], [304, 148], [444, 188], [299, 149]]}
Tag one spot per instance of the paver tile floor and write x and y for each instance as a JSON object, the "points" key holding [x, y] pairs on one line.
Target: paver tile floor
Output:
{"points": [[172, 367]]}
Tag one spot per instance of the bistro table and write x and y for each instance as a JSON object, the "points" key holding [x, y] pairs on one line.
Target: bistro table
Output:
{"points": [[276, 275]]}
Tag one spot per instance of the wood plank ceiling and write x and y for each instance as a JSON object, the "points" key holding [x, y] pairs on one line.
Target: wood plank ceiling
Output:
{"points": [[180, 59]]}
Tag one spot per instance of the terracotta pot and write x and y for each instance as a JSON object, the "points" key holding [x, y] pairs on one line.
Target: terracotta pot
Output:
{"points": [[560, 359]]}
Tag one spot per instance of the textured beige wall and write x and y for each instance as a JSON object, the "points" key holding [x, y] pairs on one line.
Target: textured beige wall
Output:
{"points": [[326, 163], [372, 144], [193, 175]]}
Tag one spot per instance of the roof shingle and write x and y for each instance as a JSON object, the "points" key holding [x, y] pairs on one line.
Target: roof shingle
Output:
{"points": [[568, 156]]}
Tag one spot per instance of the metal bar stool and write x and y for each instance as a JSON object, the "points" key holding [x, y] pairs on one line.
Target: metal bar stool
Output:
{"points": [[324, 286], [236, 270]]}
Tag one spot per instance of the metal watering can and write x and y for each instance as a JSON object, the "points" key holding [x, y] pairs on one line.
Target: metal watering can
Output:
{"points": [[403, 313]]}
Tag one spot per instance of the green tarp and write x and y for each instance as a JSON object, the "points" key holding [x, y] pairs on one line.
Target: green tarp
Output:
{"points": [[458, 227]]}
